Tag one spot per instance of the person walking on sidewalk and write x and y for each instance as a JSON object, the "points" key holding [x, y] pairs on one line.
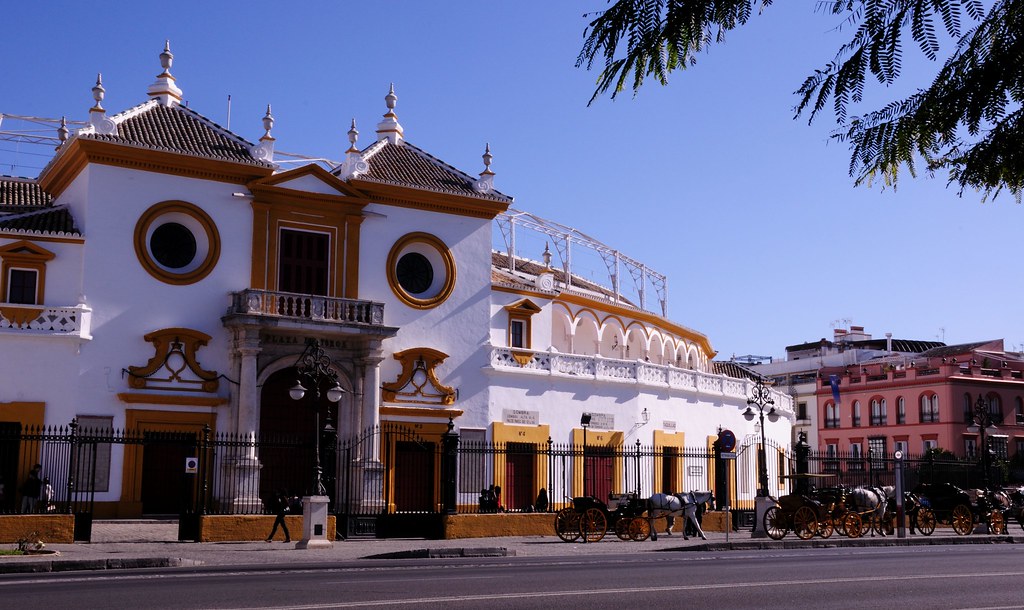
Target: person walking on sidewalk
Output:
{"points": [[279, 506]]}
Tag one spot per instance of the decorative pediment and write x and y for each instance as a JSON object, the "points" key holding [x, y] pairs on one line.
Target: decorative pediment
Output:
{"points": [[524, 307], [418, 382], [25, 250], [173, 366], [311, 180]]}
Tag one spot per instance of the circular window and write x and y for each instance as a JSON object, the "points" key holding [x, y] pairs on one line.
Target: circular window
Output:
{"points": [[421, 270], [415, 275], [176, 242], [173, 245]]}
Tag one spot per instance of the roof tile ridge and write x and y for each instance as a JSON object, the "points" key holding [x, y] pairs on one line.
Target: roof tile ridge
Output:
{"points": [[373, 149], [444, 165], [120, 117], [20, 179], [38, 212], [420, 187]]}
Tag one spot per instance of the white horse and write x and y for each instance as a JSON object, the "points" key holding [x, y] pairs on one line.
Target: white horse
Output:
{"points": [[673, 505], [870, 501]]}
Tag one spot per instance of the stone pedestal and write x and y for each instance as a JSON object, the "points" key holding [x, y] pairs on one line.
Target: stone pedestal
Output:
{"points": [[315, 533], [245, 472], [761, 506]]}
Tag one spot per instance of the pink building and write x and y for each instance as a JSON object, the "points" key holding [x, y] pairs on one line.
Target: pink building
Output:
{"points": [[925, 401]]}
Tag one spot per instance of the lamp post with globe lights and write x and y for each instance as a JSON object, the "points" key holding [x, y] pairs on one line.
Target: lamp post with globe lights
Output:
{"points": [[761, 398]]}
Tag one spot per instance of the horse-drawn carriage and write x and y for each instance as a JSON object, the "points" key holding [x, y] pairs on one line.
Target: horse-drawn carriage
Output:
{"points": [[590, 519], [853, 511], [803, 515], [947, 503]]}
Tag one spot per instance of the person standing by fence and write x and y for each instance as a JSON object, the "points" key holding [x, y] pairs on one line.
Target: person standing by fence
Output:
{"points": [[30, 490]]}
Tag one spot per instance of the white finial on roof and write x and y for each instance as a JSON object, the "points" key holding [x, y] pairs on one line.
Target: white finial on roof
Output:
{"points": [[164, 88], [264, 151], [546, 256], [97, 94], [97, 115], [354, 164], [486, 182], [353, 136], [389, 129], [62, 132]]}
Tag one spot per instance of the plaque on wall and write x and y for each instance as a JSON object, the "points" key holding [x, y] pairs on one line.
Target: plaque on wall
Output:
{"points": [[668, 425], [520, 417], [602, 421]]}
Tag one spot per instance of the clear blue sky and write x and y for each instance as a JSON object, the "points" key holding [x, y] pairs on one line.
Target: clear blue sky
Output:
{"points": [[750, 214]]}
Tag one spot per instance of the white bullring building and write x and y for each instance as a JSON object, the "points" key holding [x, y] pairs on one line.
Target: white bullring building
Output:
{"points": [[163, 274]]}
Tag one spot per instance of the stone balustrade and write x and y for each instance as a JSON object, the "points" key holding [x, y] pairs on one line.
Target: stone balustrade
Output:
{"points": [[73, 321], [638, 372], [306, 307]]}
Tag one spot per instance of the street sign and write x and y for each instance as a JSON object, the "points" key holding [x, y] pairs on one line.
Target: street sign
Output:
{"points": [[727, 440], [898, 455], [729, 455], [191, 465]]}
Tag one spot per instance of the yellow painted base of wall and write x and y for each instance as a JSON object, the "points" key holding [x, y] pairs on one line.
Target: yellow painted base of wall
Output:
{"points": [[502, 524], [714, 521], [243, 528], [51, 529]]}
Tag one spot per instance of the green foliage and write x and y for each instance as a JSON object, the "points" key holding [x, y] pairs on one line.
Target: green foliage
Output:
{"points": [[967, 122]]}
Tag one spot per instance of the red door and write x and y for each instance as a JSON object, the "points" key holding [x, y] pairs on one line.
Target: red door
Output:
{"points": [[519, 465]]}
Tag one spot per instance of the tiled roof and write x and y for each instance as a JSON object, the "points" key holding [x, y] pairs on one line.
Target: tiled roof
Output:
{"points": [[732, 369], [176, 129], [907, 346], [499, 260], [21, 193], [406, 165], [956, 350], [47, 220]]}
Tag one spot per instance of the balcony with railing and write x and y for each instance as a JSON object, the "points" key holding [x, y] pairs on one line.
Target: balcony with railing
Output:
{"points": [[582, 366], [306, 308], [46, 320]]}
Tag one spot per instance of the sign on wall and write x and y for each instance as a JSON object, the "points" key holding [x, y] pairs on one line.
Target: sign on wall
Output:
{"points": [[602, 421], [668, 424], [520, 417]]}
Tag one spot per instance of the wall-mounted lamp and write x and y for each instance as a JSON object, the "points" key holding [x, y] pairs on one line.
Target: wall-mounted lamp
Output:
{"points": [[644, 415]]}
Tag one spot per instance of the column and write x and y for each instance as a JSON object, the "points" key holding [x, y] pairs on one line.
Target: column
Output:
{"points": [[241, 464]]}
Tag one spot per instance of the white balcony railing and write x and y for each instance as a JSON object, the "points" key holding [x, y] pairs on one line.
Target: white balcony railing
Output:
{"points": [[75, 321], [306, 307], [556, 364]]}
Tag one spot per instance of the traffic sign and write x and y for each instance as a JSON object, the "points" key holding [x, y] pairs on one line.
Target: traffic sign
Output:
{"points": [[729, 455], [727, 440]]}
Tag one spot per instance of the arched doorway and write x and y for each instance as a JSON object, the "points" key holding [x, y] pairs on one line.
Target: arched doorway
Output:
{"points": [[287, 441]]}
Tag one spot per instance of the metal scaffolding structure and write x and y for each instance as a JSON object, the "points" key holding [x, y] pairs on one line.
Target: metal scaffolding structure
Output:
{"points": [[564, 238]]}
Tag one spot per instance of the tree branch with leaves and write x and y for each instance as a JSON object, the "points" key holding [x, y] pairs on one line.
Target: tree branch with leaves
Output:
{"points": [[966, 122]]}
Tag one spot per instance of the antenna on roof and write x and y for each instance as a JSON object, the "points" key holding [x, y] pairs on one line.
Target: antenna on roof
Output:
{"points": [[228, 125]]}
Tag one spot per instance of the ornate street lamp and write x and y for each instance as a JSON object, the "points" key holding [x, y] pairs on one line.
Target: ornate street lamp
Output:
{"points": [[314, 367], [982, 417], [761, 397]]}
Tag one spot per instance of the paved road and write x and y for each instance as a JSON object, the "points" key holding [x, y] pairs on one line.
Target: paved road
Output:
{"points": [[962, 576], [154, 544]]}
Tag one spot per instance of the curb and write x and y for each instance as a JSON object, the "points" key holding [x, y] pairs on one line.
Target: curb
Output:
{"points": [[73, 565], [443, 553]]}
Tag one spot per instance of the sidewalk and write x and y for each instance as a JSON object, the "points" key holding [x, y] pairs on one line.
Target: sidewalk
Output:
{"points": [[152, 544]]}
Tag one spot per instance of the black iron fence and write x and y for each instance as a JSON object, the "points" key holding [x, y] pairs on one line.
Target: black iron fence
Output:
{"points": [[391, 470]]}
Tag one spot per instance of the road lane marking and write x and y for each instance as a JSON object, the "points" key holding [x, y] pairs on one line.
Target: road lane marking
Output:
{"points": [[629, 590]]}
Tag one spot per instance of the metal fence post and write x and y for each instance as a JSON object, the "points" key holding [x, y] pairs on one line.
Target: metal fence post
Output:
{"points": [[73, 453], [449, 468], [638, 468]]}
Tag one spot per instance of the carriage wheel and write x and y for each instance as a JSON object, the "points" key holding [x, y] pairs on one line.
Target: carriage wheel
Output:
{"points": [[805, 523], [825, 527], [962, 519], [839, 521], [853, 525], [775, 523], [593, 525], [996, 522], [567, 524], [622, 528], [925, 521], [639, 529]]}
